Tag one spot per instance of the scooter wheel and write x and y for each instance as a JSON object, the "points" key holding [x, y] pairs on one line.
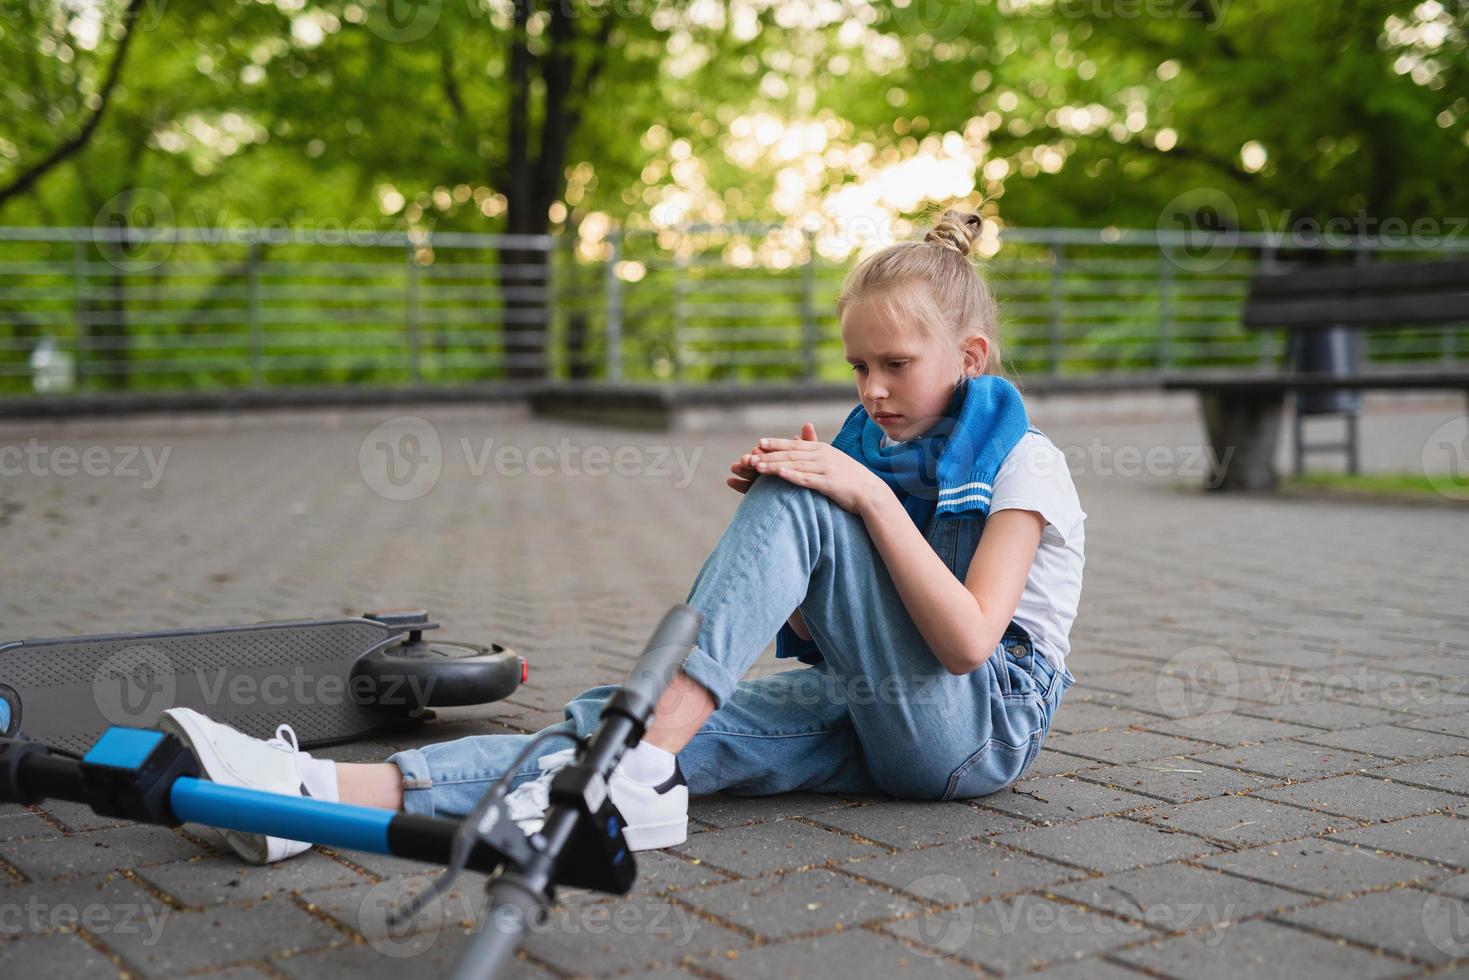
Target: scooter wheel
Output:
{"points": [[437, 674]]}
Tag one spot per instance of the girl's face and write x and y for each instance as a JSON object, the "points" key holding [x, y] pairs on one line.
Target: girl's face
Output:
{"points": [[905, 378]]}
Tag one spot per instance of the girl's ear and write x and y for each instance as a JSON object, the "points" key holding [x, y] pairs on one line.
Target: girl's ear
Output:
{"points": [[976, 355]]}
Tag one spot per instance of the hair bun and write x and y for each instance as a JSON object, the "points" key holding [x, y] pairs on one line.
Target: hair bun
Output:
{"points": [[957, 230]]}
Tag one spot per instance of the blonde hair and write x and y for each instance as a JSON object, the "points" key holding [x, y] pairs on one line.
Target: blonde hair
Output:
{"points": [[956, 305]]}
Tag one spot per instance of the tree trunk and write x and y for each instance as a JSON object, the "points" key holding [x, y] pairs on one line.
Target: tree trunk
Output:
{"points": [[533, 182], [526, 311]]}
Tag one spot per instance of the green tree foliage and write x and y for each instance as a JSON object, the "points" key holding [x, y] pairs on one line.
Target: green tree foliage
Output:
{"points": [[529, 116], [260, 110]]}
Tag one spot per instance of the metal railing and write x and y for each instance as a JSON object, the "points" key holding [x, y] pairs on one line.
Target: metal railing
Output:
{"points": [[195, 308]]}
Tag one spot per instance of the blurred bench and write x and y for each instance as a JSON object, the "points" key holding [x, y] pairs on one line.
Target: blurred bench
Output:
{"points": [[1243, 410]]}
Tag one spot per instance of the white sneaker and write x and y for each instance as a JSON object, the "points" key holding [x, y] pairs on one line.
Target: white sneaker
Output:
{"points": [[653, 816], [232, 758]]}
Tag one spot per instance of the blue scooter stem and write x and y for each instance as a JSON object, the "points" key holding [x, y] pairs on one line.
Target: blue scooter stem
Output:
{"points": [[357, 828]]}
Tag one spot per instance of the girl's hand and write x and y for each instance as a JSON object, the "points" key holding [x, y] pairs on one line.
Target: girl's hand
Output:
{"points": [[744, 473], [744, 468], [808, 462]]}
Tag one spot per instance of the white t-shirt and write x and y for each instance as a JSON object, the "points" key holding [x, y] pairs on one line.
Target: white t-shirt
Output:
{"points": [[1035, 476]]}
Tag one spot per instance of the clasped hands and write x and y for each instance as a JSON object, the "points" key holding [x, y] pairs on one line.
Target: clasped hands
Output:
{"points": [[808, 462]]}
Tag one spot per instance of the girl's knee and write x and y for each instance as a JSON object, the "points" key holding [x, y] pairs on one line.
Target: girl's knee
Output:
{"points": [[768, 486]]}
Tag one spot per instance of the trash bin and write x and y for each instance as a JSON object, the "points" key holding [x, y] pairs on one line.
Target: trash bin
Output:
{"points": [[1334, 350]]}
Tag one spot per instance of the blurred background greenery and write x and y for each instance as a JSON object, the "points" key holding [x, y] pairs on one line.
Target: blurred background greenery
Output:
{"points": [[667, 144]]}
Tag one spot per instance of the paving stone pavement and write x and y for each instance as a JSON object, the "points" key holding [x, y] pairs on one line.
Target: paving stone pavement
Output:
{"points": [[1263, 769]]}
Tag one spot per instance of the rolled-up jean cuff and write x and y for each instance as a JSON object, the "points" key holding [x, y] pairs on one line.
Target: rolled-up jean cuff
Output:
{"points": [[418, 785], [712, 674]]}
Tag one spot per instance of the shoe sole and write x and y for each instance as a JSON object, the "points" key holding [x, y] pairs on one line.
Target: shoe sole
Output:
{"points": [[651, 837], [648, 837]]}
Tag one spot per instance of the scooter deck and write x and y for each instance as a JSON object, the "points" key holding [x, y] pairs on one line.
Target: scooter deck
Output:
{"points": [[68, 690]]}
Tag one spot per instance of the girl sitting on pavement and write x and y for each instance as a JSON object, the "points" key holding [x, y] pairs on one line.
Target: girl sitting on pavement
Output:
{"points": [[925, 566]]}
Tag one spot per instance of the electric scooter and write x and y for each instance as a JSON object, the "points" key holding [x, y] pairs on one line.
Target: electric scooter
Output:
{"points": [[332, 680], [146, 775]]}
